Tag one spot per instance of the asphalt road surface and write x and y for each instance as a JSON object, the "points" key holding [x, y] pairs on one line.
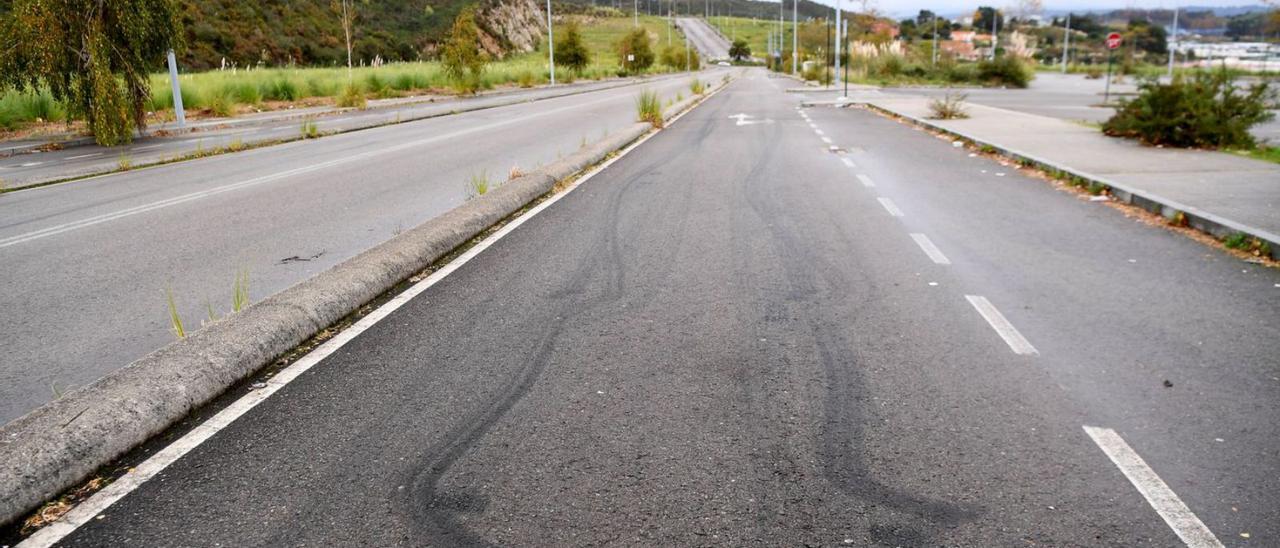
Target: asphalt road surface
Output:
{"points": [[735, 336], [78, 161], [711, 45], [89, 264]]}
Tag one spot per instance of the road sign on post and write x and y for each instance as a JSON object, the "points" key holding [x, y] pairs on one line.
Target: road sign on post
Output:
{"points": [[1113, 42]]}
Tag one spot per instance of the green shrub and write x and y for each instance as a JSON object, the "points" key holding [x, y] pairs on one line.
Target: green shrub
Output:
{"points": [[818, 73], [634, 54], [351, 97], [1006, 71], [462, 58], [282, 89], [571, 52], [1207, 110], [222, 104]]}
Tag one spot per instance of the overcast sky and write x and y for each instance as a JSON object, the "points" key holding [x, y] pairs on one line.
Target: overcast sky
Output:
{"points": [[905, 7]]}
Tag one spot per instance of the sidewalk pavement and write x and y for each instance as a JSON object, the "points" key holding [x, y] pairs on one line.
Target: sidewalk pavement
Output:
{"points": [[1226, 193]]}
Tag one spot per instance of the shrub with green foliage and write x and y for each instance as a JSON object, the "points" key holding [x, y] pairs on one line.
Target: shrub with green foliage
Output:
{"points": [[634, 53], [462, 58], [1005, 70], [739, 51], [95, 57], [676, 57], [571, 52], [1206, 110]]}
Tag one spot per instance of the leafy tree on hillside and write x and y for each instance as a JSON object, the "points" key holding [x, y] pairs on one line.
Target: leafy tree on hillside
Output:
{"points": [[93, 56], [634, 53], [462, 58], [982, 19], [739, 50], [1147, 37], [570, 50]]}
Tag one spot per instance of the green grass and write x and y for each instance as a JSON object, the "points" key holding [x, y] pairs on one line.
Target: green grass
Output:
{"points": [[478, 185], [1264, 153], [240, 291], [649, 108], [175, 321], [309, 130]]}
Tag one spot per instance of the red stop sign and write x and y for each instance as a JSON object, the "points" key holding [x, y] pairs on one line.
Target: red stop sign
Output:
{"points": [[1113, 40]]}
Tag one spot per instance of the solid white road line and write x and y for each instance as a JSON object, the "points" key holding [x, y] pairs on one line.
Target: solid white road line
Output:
{"points": [[1181, 519], [1010, 334], [891, 207], [133, 479], [929, 249], [58, 229], [866, 181], [848, 162]]}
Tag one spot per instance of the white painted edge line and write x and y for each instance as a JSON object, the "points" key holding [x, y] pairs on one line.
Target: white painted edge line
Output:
{"points": [[100, 501], [891, 207], [848, 162], [866, 181], [1010, 334], [826, 140], [929, 249], [1181, 519]]}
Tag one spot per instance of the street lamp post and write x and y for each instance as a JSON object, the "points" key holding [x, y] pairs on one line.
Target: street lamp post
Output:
{"points": [[795, 37], [838, 38], [1066, 44], [1175, 39], [551, 45], [935, 39]]}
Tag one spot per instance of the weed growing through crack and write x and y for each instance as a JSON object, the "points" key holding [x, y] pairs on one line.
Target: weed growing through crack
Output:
{"points": [[310, 130], [477, 184], [1096, 188], [1238, 240], [236, 145], [175, 321], [125, 162], [240, 291], [949, 107], [516, 172], [649, 108], [697, 87]]}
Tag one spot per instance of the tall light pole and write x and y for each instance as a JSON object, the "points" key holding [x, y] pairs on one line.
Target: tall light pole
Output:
{"points": [[551, 45], [995, 32], [935, 39], [795, 37], [635, 11], [1175, 38], [838, 39], [1066, 44]]}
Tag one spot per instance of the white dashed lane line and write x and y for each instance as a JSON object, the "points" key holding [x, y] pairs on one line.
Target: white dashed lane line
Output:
{"points": [[891, 207], [826, 140], [1180, 518], [866, 181], [1010, 334], [929, 249], [848, 162], [84, 156]]}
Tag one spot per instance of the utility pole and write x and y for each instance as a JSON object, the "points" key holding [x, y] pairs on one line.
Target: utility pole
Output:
{"points": [[1175, 38], [635, 12], [670, 20], [838, 38], [551, 45], [935, 39], [844, 35], [1066, 44], [795, 38], [178, 111], [995, 32]]}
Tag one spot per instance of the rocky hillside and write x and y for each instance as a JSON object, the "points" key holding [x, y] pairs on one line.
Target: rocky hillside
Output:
{"points": [[309, 32]]}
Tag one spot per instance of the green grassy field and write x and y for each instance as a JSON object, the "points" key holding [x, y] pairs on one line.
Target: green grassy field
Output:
{"points": [[224, 92]]}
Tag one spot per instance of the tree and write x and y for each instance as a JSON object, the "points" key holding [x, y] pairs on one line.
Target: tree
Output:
{"points": [[634, 53], [982, 19], [93, 56], [739, 50], [463, 60], [1147, 37], [570, 51]]}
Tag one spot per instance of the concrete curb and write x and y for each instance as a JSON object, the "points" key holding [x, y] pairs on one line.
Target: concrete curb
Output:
{"points": [[1206, 222], [64, 441]]}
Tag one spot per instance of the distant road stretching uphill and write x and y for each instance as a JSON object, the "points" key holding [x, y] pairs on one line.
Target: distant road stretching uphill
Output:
{"points": [[711, 45]]}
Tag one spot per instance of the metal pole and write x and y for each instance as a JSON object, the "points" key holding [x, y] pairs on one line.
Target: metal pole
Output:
{"points": [[844, 36], [177, 91], [1106, 94], [551, 45], [795, 37], [1175, 38], [838, 39], [935, 39], [1066, 44], [995, 33], [635, 11]]}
